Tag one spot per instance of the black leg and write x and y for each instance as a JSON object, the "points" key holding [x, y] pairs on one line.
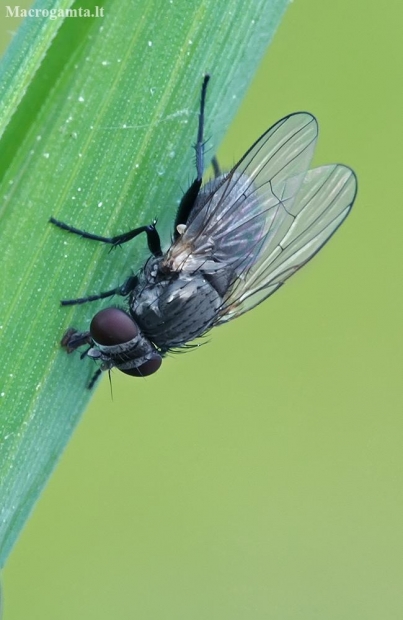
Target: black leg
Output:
{"points": [[123, 290], [189, 198], [199, 148], [74, 339], [83, 300], [94, 378], [153, 238], [216, 167]]}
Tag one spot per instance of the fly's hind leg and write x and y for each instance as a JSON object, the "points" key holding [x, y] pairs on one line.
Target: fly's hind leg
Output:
{"points": [[190, 196]]}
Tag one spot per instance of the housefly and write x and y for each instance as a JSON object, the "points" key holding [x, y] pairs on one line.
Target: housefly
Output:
{"points": [[236, 240]]}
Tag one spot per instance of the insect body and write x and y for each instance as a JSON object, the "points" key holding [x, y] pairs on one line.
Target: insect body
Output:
{"points": [[236, 240]]}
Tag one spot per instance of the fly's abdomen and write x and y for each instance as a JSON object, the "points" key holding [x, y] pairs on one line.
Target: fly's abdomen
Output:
{"points": [[175, 311]]}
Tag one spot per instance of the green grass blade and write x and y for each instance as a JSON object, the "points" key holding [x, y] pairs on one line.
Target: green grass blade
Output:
{"points": [[101, 139], [25, 55]]}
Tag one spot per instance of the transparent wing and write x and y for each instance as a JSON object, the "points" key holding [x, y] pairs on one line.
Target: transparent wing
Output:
{"points": [[235, 213], [255, 226], [322, 203]]}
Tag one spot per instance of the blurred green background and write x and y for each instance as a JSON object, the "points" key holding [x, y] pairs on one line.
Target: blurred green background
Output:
{"points": [[260, 476]]}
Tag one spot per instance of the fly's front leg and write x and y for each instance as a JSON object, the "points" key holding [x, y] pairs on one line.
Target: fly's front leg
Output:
{"points": [[74, 339]]}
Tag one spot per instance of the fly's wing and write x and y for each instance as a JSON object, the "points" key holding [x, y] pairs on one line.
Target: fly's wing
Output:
{"points": [[321, 205], [236, 213]]}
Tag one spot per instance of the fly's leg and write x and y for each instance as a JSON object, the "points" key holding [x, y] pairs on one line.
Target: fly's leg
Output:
{"points": [[154, 245], [190, 196], [123, 290], [153, 238], [74, 339], [216, 167], [83, 300], [199, 147], [94, 378]]}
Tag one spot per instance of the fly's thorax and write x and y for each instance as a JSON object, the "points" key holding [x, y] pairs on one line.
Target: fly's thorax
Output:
{"points": [[201, 261], [176, 309]]}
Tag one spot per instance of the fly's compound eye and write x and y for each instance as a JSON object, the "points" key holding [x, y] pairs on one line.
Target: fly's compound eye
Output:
{"points": [[148, 368], [111, 327]]}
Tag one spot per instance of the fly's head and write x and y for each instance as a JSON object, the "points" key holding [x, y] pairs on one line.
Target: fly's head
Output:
{"points": [[116, 341]]}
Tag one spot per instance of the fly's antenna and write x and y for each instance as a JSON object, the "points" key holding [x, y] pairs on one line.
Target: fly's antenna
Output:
{"points": [[110, 382]]}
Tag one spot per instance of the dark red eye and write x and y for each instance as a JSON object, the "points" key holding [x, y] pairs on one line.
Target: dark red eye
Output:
{"points": [[113, 326], [148, 368]]}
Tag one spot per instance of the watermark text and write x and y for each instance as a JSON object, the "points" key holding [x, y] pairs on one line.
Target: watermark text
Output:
{"points": [[17, 11]]}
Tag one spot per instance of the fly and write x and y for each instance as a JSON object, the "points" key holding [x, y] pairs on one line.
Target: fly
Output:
{"points": [[236, 240]]}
